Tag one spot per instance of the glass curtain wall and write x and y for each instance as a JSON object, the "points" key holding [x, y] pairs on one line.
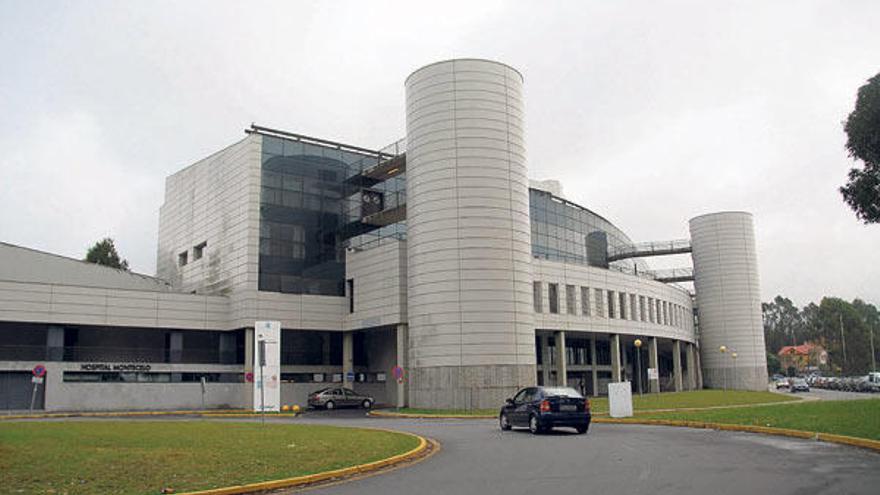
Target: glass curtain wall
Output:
{"points": [[311, 206], [560, 229]]}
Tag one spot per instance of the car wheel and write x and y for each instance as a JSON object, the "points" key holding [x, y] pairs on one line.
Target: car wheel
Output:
{"points": [[504, 422], [329, 405], [581, 429], [534, 425], [367, 404]]}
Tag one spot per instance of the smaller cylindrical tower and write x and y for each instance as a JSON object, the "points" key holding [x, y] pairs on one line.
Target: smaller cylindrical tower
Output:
{"points": [[728, 301]]}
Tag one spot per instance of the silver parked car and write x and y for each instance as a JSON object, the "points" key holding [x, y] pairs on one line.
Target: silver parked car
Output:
{"points": [[331, 398]]}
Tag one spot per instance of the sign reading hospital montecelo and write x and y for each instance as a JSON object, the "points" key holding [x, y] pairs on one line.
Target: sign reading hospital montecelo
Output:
{"points": [[267, 366]]}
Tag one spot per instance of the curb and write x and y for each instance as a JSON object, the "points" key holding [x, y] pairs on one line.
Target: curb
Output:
{"points": [[110, 414], [311, 479], [765, 430], [392, 414], [222, 413]]}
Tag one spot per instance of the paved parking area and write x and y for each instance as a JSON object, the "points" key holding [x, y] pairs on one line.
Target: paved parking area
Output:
{"points": [[476, 457]]}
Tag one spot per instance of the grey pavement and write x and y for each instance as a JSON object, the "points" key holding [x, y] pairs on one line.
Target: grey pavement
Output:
{"points": [[476, 457], [822, 394]]}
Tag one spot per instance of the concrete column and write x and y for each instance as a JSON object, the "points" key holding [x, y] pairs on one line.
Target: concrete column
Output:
{"points": [[653, 362], [248, 399], [594, 362], [55, 343], [175, 348], [326, 337], [676, 364], [727, 285], [545, 359], [227, 348], [615, 358], [402, 362], [699, 368], [561, 364], [691, 367], [347, 357], [466, 167]]}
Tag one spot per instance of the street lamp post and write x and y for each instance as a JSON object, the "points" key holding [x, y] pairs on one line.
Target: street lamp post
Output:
{"points": [[638, 344], [722, 350], [733, 356]]}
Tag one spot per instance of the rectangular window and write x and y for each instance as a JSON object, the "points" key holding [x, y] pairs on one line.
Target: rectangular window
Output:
{"points": [[538, 297], [199, 251], [600, 303], [585, 301], [642, 315], [623, 309], [182, 259], [570, 298], [651, 309], [612, 313], [350, 289], [553, 295], [632, 307]]}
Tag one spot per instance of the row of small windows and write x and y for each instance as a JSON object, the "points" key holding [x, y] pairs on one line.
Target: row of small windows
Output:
{"points": [[620, 305], [198, 252]]}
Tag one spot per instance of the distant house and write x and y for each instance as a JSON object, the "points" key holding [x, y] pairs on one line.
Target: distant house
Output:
{"points": [[803, 357]]}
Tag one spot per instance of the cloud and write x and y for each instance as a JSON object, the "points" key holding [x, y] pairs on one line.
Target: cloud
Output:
{"points": [[648, 113], [65, 186]]}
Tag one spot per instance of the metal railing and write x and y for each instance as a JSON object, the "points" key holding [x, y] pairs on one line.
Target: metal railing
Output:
{"points": [[673, 275], [394, 149], [656, 248]]}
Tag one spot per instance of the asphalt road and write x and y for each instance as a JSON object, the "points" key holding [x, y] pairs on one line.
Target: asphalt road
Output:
{"points": [[477, 458]]}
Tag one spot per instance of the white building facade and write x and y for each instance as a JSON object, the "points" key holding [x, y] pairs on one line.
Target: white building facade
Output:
{"points": [[435, 254]]}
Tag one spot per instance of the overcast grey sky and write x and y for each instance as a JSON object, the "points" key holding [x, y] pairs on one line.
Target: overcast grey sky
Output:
{"points": [[649, 114]]}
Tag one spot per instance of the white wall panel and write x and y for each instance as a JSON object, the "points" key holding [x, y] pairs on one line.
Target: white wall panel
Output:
{"points": [[468, 230], [729, 300]]}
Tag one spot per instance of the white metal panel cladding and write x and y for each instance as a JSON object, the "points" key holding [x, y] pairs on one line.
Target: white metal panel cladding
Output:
{"points": [[468, 230], [728, 300]]}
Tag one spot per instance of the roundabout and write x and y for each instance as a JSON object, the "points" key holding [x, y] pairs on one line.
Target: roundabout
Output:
{"points": [[477, 457]]}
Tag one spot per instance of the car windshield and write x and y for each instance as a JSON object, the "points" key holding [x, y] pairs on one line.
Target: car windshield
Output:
{"points": [[562, 392], [799, 381]]}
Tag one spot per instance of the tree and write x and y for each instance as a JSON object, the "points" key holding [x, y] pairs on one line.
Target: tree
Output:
{"points": [[846, 336], [783, 324], [862, 127], [773, 364], [104, 253]]}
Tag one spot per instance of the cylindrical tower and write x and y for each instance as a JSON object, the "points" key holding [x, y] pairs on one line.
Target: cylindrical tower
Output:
{"points": [[728, 301], [471, 326]]}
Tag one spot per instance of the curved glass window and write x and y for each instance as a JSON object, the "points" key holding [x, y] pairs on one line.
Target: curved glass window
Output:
{"points": [[564, 231]]}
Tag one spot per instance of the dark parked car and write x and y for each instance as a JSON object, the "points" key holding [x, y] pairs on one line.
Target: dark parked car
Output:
{"points": [[543, 408], [331, 398], [799, 384]]}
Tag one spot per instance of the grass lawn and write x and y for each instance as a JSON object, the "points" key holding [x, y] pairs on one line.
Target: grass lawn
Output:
{"points": [[666, 400], [120, 457], [855, 418]]}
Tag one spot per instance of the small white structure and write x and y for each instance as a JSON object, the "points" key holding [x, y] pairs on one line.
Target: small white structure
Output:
{"points": [[620, 402], [267, 366]]}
